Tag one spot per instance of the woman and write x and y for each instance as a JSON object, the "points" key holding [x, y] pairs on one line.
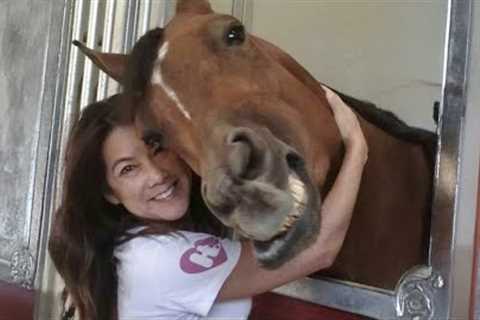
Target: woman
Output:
{"points": [[126, 242]]}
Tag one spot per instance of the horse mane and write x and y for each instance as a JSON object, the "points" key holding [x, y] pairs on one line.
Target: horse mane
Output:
{"points": [[391, 124]]}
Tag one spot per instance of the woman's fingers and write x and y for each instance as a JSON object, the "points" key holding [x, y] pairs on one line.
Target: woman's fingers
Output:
{"points": [[333, 99], [347, 122]]}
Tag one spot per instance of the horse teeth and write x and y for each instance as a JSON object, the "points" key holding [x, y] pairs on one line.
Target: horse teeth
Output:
{"points": [[290, 220], [288, 223], [296, 186], [300, 206]]}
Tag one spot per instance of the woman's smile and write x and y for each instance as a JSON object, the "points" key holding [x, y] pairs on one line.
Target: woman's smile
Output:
{"points": [[168, 193]]}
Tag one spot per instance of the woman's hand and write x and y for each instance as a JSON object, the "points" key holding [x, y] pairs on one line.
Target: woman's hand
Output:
{"points": [[348, 126], [338, 205]]}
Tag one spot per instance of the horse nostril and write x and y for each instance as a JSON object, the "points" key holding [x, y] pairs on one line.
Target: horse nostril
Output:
{"points": [[246, 155], [294, 161], [238, 137]]}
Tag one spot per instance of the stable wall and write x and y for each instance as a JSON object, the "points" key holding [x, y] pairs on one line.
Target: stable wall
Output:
{"points": [[389, 52]]}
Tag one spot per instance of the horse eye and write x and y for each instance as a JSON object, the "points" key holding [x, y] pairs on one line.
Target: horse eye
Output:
{"points": [[153, 140], [235, 35]]}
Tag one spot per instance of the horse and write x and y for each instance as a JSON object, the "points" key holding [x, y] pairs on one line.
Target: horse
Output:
{"points": [[257, 128]]}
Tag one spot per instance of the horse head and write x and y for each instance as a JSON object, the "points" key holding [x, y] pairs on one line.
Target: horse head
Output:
{"points": [[244, 115]]}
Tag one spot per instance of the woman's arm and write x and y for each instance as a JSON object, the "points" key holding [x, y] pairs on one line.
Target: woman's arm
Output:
{"points": [[248, 278]]}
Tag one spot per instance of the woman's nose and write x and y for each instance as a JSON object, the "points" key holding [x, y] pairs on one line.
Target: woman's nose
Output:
{"points": [[156, 174]]}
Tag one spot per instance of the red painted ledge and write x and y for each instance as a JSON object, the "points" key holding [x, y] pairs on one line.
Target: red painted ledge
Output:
{"points": [[269, 306], [16, 303]]}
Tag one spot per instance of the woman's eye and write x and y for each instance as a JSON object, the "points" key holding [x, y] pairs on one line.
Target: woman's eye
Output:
{"points": [[127, 169]]}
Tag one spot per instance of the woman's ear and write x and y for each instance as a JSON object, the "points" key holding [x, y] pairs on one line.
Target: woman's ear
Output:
{"points": [[110, 197]]}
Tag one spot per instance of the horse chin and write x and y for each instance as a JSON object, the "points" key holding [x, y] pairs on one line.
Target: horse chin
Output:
{"points": [[275, 252], [287, 223]]}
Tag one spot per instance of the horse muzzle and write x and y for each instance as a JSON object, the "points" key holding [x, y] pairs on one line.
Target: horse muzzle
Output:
{"points": [[261, 189]]}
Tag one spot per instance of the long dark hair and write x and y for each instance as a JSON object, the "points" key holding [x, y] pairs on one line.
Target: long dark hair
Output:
{"points": [[86, 227]]}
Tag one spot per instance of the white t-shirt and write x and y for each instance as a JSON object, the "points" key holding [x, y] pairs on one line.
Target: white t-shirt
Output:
{"points": [[177, 276]]}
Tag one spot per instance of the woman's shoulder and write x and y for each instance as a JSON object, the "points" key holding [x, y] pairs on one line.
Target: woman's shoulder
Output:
{"points": [[166, 254], [165, 247], [159, 243]]}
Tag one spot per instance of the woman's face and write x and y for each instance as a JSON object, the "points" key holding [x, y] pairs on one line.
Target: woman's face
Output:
{"points": [[149, 185]]}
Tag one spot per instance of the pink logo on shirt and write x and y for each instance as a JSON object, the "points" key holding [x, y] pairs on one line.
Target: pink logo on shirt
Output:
{"points": [[206, 254]]}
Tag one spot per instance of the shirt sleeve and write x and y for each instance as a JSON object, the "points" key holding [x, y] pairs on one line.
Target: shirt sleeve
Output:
{"points": [[196, 268]]}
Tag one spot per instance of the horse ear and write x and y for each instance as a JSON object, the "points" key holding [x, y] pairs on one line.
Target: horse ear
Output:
{"points": [[112, 64], [194, 6]]}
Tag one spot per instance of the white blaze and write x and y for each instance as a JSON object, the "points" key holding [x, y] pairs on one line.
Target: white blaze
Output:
{"points": [[157, 79]]}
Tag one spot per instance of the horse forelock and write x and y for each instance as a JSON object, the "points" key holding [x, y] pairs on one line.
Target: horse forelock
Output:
{"points": [[141, 61], [144, 69]]}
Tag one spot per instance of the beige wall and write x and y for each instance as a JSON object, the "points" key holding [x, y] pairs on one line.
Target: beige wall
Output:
{"points": [[389, 52], [223, 6]]}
